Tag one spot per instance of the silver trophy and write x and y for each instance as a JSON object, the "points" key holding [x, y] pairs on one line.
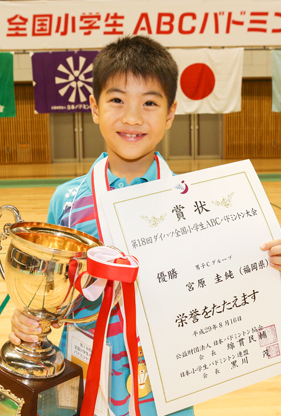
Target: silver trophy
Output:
{"points": [[36, 274]]}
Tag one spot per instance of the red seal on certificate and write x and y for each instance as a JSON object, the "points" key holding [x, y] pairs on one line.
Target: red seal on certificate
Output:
{"points": [[267, 335], [273, 351]]}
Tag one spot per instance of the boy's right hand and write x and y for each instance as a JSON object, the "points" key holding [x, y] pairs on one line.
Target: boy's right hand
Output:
{"points": [[24, 329]]}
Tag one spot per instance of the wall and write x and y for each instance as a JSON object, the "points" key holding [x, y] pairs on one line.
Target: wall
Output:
{"points": [[240, 139], [257, 63], [25, 138], [255, 131]]}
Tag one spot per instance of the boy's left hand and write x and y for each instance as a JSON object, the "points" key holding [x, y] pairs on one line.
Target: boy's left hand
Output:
{"points": [[274, 253]]}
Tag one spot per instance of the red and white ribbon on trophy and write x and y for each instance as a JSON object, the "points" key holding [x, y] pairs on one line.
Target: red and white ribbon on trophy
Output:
{"points": [[109, 265]]}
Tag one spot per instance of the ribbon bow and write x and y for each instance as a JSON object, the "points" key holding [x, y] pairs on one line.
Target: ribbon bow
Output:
{"points": [[109, 265]]}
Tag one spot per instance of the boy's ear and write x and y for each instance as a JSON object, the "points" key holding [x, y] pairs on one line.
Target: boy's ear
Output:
{"points": [[94, 109], [171, 115]]}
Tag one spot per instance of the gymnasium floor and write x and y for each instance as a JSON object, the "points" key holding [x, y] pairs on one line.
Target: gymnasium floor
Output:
{"points": [[30, 187]]}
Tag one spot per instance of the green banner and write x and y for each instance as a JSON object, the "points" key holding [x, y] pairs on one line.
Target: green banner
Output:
{"points": [[7, 92]]}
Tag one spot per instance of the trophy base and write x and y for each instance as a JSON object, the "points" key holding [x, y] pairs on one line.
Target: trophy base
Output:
{"points": [[35, 361], [60, 396]]}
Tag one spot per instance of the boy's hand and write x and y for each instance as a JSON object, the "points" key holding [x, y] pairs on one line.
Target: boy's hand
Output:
{"points": [[274, 253], [24, 329]]}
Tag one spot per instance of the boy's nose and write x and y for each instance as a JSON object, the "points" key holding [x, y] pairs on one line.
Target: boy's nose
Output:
{"points": [[132, 117]]}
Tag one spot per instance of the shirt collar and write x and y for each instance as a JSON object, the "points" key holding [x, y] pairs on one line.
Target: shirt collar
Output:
{"points": [[150, 174]]}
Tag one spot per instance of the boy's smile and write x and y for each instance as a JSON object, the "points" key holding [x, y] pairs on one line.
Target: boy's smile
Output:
{"points": [[130, 136], [133, 116]]}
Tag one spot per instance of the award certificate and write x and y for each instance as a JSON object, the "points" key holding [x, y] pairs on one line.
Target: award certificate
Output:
{"points": [[208, 302]]}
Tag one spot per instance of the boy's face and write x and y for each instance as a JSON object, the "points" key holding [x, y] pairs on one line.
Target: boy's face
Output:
{"points": [[133, 115]]}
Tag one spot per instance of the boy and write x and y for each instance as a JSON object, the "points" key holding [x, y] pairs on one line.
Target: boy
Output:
{"points": [[134, 84]]}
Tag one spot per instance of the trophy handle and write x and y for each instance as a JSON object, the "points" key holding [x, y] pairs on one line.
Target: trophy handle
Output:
{"points": [[5, 234], [2, 274], [92, 318]]}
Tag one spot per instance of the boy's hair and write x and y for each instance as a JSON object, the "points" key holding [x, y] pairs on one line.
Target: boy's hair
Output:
{"points": [[142, 57]]}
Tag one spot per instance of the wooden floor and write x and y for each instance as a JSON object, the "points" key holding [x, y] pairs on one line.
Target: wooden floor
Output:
{"points": [[262, 399], [67, 170]]}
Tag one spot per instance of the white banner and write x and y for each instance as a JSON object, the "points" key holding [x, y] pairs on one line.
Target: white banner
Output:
{"points": [[210, 80], [36, 25], [276, 81]]}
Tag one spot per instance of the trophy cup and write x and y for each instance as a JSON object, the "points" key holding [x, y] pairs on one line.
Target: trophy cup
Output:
{"points": [[35, 379]]}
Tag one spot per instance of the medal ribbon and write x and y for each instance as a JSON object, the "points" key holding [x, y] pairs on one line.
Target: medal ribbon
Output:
{"points": [[123, 269]]}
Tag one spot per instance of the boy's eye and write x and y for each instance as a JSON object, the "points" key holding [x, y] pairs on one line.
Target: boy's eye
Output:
{"points": [[149, 103], [117, 100]]}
